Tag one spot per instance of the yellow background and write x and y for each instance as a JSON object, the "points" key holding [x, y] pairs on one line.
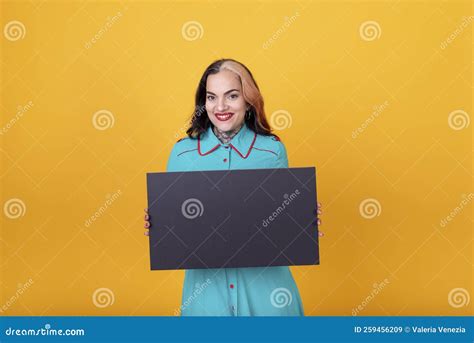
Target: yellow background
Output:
{"points": [[318, 69]]}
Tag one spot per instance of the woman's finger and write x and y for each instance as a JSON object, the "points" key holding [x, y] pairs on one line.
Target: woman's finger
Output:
{"points": [[147, 225], [147, 217], [146, 233], [146, 210], [319, 221], [319, 205], [321, 234], [319, 211]]}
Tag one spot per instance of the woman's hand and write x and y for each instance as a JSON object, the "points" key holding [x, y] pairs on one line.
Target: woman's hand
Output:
{"points": [[147, 223], [319, 211]]}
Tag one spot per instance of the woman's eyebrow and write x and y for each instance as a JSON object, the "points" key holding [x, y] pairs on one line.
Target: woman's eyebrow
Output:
{"points": [[225, 92]]}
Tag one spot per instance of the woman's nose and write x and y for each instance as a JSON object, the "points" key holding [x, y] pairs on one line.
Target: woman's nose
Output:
{"points": [[221, 105]]}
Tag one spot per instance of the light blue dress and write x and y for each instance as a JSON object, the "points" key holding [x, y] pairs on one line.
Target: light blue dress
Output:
{"points": [[269, 291]]}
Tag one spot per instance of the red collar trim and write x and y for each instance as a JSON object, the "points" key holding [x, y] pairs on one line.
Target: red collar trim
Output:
{"points": [[206, 153], [248, 152], [231, 145]]}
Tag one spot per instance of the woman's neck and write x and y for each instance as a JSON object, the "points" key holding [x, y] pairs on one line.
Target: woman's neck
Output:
{"points": [[226, 136]]}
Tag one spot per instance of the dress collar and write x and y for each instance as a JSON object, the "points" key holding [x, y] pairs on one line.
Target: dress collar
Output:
{"points": [[242, 142]]}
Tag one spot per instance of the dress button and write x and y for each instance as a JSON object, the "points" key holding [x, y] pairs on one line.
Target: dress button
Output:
{"points": [[231, 285], [225, 159], [226, 147]]}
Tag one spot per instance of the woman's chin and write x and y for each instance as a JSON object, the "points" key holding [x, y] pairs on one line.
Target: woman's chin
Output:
{"points": [[230, 125], [224, 126]]}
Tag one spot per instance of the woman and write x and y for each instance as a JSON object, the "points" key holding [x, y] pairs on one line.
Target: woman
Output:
{"points": [[229, 130]]}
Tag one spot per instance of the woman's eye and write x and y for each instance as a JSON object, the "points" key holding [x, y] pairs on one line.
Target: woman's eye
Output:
{"points": [[210, 97], [234, 96]]}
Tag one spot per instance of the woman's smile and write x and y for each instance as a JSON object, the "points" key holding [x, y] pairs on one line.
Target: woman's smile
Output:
{"points": [[223, 116]]}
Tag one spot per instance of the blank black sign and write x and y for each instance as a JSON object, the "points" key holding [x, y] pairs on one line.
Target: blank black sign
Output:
{"points": [[233, 218]]}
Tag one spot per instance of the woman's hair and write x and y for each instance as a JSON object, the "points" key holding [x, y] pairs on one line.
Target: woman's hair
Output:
{"points": [[257, 120]]}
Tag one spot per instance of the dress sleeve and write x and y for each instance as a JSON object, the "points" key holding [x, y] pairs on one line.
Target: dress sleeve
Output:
{"points": [[282, 158], [173, 162]]}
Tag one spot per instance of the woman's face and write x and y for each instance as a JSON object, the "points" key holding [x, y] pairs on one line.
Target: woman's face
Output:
{"points": [[225, 104]]}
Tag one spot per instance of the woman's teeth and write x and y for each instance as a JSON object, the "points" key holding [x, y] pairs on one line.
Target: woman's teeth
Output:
{"points": [[224, 116]]}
